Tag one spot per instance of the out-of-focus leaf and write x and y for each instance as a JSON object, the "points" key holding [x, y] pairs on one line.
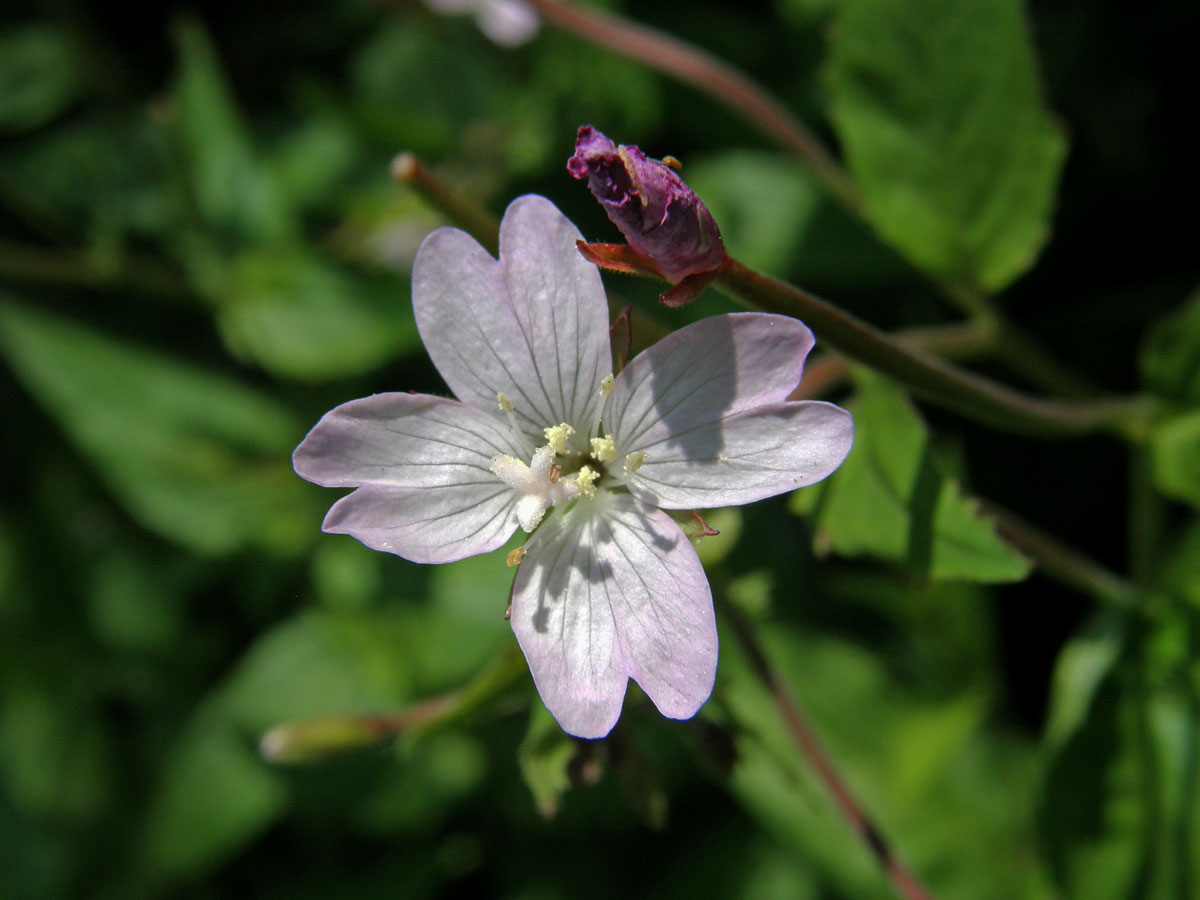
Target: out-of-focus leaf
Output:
{"points": [[900, 754], [1121, 803], [323, 664], [131, 606], [1171, 354], [196, 457], [53, 761], [300, 316], [1175, 457], [545, 756], [38, 77], [805, 12], [214, 796], [313, 161], [418, 89], [234, 191], [939, 109], [763, 202], [892, 499]]}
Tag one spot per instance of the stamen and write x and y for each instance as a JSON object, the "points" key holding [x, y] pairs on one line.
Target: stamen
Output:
{"points": [[606, 384], [515, 556], [557, 437], [586, 480], [634, 460], [506, 407], [604, 449], [555, 473]]}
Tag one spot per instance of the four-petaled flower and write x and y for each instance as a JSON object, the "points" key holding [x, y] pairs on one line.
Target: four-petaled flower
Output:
{"points": [[543, 438]]}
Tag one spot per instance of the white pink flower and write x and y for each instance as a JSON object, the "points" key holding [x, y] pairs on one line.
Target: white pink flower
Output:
{"points": [[544, 438]]}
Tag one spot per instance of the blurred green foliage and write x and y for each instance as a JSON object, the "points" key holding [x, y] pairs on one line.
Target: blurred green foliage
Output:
{"points": [[201, 251]]}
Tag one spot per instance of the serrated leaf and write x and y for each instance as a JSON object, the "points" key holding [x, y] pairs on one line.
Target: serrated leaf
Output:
{"points": [[893, 499], [939, 109], [300, 316], [194, 456], [1170, 358]]}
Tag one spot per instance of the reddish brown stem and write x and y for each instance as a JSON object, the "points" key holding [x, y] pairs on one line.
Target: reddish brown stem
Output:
{"points": [[806, 739]]}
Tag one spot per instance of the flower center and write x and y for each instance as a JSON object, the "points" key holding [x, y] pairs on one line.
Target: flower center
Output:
{"points": [[556, 471]]}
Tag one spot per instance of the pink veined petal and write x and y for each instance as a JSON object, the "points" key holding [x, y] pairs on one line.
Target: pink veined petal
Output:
{"points": [[745, 457], [707, 407], [421, 466], [609, 591], [533, 325], [704, 372]]}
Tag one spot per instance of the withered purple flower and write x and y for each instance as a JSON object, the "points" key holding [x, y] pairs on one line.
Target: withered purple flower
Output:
{"points": [[661, 217]]}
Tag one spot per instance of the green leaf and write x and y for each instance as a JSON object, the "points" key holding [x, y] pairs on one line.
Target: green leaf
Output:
{"points": [[939, 109], [545, 756], [233, 189], [1175, 457], [901, 755], [323, 664], [300, 316], [215, 795], [764, 203], [194, 456], [1170, 357], [1121, 804], [38, 77], [893, 499]]}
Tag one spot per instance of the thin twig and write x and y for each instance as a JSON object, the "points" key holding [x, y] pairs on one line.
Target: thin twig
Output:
{"points": [[470, 216], [939, 382], [1063, 563], [806, 739]]}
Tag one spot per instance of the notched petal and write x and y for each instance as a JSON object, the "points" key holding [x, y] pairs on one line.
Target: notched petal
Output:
{"points": [[610, 591]]}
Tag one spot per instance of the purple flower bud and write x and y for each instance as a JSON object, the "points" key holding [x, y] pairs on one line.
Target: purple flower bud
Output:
{"points": [[660, 216]]}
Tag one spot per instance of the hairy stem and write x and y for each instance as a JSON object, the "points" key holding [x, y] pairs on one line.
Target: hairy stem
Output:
{"points": [[937, 381], [809, 744]]}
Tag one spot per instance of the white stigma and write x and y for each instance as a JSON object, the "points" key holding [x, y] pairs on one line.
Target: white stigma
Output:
{"points": [[537, 485]]}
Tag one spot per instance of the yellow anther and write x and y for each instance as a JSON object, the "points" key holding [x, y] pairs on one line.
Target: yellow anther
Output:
{"points": [[505, 403], [515, 556], [634, 460], [586, 479], [557, 437], [603, 449], [606, 384]]}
